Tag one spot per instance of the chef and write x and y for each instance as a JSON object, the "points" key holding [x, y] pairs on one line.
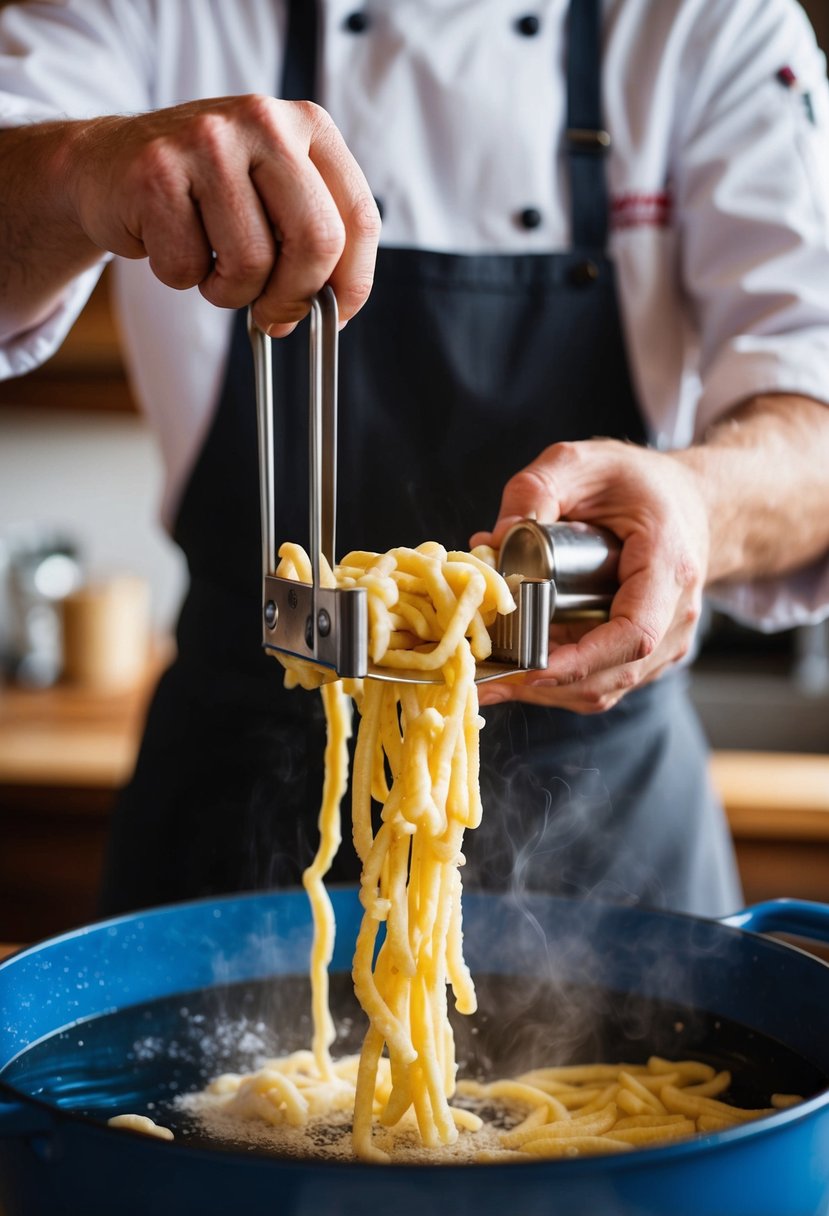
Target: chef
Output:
{"points": [[601, 293]]}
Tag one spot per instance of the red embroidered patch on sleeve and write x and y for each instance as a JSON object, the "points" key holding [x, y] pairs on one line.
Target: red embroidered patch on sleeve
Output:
{"points": [[636, 209]]}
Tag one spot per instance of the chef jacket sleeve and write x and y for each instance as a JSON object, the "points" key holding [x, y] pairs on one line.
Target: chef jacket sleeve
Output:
{"points": [[70, 59], [751, 181]]}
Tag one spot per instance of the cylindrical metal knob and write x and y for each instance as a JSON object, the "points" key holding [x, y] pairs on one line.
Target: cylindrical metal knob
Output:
{"points": [[580, 559]]}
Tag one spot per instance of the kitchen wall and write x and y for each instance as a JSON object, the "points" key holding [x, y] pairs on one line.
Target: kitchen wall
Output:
{"points": [[98, 477]]}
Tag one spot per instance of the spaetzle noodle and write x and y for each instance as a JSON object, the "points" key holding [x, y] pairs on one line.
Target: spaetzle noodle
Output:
{"points": [[417, 757]]}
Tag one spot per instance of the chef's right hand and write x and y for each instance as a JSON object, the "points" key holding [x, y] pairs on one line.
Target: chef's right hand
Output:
{"points": [[255, 200]]}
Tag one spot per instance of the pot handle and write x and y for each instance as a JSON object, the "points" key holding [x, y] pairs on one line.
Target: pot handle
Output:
{"points": [[802, 917], [23, 1119]]}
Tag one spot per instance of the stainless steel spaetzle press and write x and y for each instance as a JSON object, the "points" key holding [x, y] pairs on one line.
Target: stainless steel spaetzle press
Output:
{"points": [[567, 571]]}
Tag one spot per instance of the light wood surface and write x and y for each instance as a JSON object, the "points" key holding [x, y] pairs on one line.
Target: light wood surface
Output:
{"points": [[65, 752], [70, 737], [774, 794]]}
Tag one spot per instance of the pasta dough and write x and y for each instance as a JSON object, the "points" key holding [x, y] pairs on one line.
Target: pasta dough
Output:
{"points": [[417, 757], [140, 1123]]}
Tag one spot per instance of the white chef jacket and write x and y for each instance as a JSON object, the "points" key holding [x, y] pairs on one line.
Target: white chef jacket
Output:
{"points": [[718, 177]]}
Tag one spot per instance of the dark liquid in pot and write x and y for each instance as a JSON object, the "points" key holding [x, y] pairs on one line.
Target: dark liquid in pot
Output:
{"points": [[138, 1060]]}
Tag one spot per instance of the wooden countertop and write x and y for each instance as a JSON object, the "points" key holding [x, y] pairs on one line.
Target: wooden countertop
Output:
{"points": [[774, 795], [72, 738]]}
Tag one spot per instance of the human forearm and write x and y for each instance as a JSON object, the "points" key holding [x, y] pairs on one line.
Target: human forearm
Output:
{"points": [[763, 474], [42, 246]]}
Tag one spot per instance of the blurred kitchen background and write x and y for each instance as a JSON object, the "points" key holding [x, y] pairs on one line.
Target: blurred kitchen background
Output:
{"points": [[79, 491]]}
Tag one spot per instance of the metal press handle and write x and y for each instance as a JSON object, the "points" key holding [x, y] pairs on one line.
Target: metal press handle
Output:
{"points": [[323, 625], [263, 377], [322, 425], [322, 506]]}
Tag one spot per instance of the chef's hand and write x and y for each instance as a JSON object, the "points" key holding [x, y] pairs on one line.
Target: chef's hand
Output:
{"points": [[210, 191], [656, 508]]}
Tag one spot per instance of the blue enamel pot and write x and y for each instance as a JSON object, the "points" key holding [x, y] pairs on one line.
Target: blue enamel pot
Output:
{"points": [[124, 1014]]}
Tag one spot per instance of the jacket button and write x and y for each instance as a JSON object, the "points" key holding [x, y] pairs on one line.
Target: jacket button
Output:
{"points": [[530, 217], [357, 22], [583, 273], [528, 25]]}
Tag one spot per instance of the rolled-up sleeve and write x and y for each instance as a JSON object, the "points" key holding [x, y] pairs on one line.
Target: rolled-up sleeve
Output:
{"points": [[751, 178], [69, 59]]}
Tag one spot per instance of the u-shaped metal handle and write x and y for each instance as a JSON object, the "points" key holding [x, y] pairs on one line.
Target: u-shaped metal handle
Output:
{"points": [[322, 424], [322, 625]]}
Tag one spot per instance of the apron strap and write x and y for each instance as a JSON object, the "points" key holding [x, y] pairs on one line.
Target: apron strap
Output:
{"points": [[299, 69], [586, 140]]}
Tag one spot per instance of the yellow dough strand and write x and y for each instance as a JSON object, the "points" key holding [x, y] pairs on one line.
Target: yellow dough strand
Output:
{"points": [[337, 714], [415, 790], [417, 757]]}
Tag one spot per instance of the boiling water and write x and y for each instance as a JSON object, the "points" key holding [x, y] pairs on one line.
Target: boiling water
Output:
{"points": [[144, 1058]]}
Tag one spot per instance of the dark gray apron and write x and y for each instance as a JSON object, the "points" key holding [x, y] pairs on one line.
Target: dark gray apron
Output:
{"points": [[457, 372]]}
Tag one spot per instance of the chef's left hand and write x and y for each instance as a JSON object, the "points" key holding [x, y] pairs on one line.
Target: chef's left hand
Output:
{"points": [[655, 505]]}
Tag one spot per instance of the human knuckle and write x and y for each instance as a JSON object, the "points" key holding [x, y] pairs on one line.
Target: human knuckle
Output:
{"points": [[578, 672], [322, 234], [253, 262], [565, 454], [292, 120], [179, 269], [692, 612], [364, 218], [355, 294], [535, 479], [156, 171], [542, 477], [282, 310], [687, 570], [257, 109], [217, 292], [645, 641], [269, 124], [211, 132], [315, 115], [225, 293], [626, 677], [597, 701]]}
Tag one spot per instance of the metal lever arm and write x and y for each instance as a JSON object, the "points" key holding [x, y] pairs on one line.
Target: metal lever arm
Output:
{"points": [[326, 626], [263, 373]]}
